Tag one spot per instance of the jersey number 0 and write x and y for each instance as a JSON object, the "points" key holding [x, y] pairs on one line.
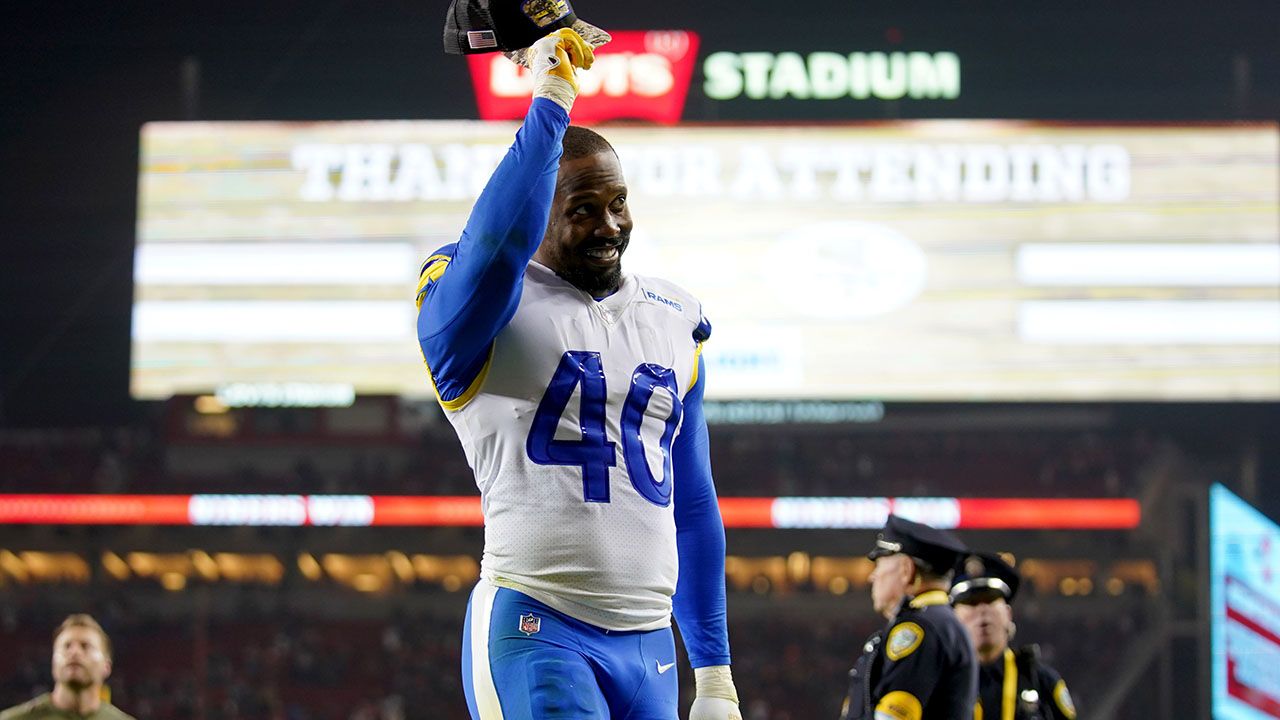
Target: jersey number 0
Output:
{"points": [[595, 453]]}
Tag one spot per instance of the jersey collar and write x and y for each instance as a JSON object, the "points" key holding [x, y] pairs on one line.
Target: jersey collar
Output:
{"points": [[626, 290]]}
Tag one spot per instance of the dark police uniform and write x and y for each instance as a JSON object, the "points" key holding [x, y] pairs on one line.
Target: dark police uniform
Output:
{"points": [[921, 665], [1017, 685]]}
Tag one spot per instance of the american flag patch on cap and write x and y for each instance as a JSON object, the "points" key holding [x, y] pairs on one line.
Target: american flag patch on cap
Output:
{"points": [[480, 39]]}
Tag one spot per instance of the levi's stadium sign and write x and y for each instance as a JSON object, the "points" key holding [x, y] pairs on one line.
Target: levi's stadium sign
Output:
{"points": [[832, 76], [646, 75], [640, 74]]}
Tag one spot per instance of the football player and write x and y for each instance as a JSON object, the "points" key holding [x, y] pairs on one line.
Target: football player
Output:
{"points": [[576, 390]]}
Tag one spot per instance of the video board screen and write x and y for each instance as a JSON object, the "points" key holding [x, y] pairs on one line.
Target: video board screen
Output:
{"points": [[926, 260], [1245, 606]]}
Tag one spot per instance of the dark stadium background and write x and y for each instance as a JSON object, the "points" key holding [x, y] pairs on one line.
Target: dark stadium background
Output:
{"points": [[79, 80]]}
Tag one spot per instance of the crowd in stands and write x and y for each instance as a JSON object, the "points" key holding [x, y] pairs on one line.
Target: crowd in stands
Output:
{"points": [[273, 665], [267, 666], [748, 461], [99, 460], [924, 464], [283, 666]]}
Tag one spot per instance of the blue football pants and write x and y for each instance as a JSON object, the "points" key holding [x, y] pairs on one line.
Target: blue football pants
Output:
{"points": [[522, 660]]}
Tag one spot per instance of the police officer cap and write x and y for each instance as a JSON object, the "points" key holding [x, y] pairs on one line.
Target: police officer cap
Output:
{"points": [[984, 577], [480, 26], [938, 549]]}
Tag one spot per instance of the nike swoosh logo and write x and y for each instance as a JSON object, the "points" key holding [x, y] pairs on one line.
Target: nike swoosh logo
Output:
{"points": [[663, 668]]}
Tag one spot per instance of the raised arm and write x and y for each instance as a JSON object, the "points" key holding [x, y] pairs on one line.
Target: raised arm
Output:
{"points": [[469, 290]]}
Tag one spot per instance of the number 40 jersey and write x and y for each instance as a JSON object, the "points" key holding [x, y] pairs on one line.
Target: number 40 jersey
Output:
{"points": [[569, 429]]}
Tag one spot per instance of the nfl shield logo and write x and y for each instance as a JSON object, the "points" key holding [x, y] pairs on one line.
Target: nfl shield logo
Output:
{"points": [[530, 624]]}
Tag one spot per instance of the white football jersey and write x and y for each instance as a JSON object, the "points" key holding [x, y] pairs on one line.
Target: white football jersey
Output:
{"points": [[569, 430]]}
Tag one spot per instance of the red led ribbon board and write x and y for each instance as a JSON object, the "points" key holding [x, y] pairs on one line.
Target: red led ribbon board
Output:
{"points": [[464, 511], [640, 74]]}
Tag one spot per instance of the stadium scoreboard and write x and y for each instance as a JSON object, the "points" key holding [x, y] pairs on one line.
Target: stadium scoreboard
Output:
{"points": [[922, 260]]}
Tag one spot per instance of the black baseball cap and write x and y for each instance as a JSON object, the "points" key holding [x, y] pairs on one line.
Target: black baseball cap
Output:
{"points": [[983, 577], [937, 549], [482, 26]]}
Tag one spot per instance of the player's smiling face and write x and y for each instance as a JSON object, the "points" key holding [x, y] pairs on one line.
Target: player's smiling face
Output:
{"points": [[590, 224]]}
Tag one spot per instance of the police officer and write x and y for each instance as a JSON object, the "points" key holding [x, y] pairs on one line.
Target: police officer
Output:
{"points": [[1012, 684], [921, 665]]}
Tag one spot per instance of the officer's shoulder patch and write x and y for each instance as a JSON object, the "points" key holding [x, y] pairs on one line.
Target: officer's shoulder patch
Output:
{"points": [[904, 638], [1062, 697]]}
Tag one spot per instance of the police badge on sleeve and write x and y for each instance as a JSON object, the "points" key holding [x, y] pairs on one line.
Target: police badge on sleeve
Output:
{"points": [[903, 640]]}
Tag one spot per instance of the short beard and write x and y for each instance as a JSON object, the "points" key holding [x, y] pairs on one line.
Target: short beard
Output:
{"points": [[592, 283], [596, 283]]}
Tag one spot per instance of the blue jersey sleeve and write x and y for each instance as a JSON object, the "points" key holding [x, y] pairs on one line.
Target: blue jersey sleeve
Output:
{"points": [[469, 290], [699, 602]]}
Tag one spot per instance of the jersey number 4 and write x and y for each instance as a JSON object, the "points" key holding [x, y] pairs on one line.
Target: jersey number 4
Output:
{"points": [[595, 453]]}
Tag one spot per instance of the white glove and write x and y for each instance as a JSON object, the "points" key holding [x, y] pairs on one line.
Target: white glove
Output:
{"points": [[717, 698], [552, 60]]}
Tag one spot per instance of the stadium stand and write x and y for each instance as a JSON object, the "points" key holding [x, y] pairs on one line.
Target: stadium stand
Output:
{"points": [[280, 665]]}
